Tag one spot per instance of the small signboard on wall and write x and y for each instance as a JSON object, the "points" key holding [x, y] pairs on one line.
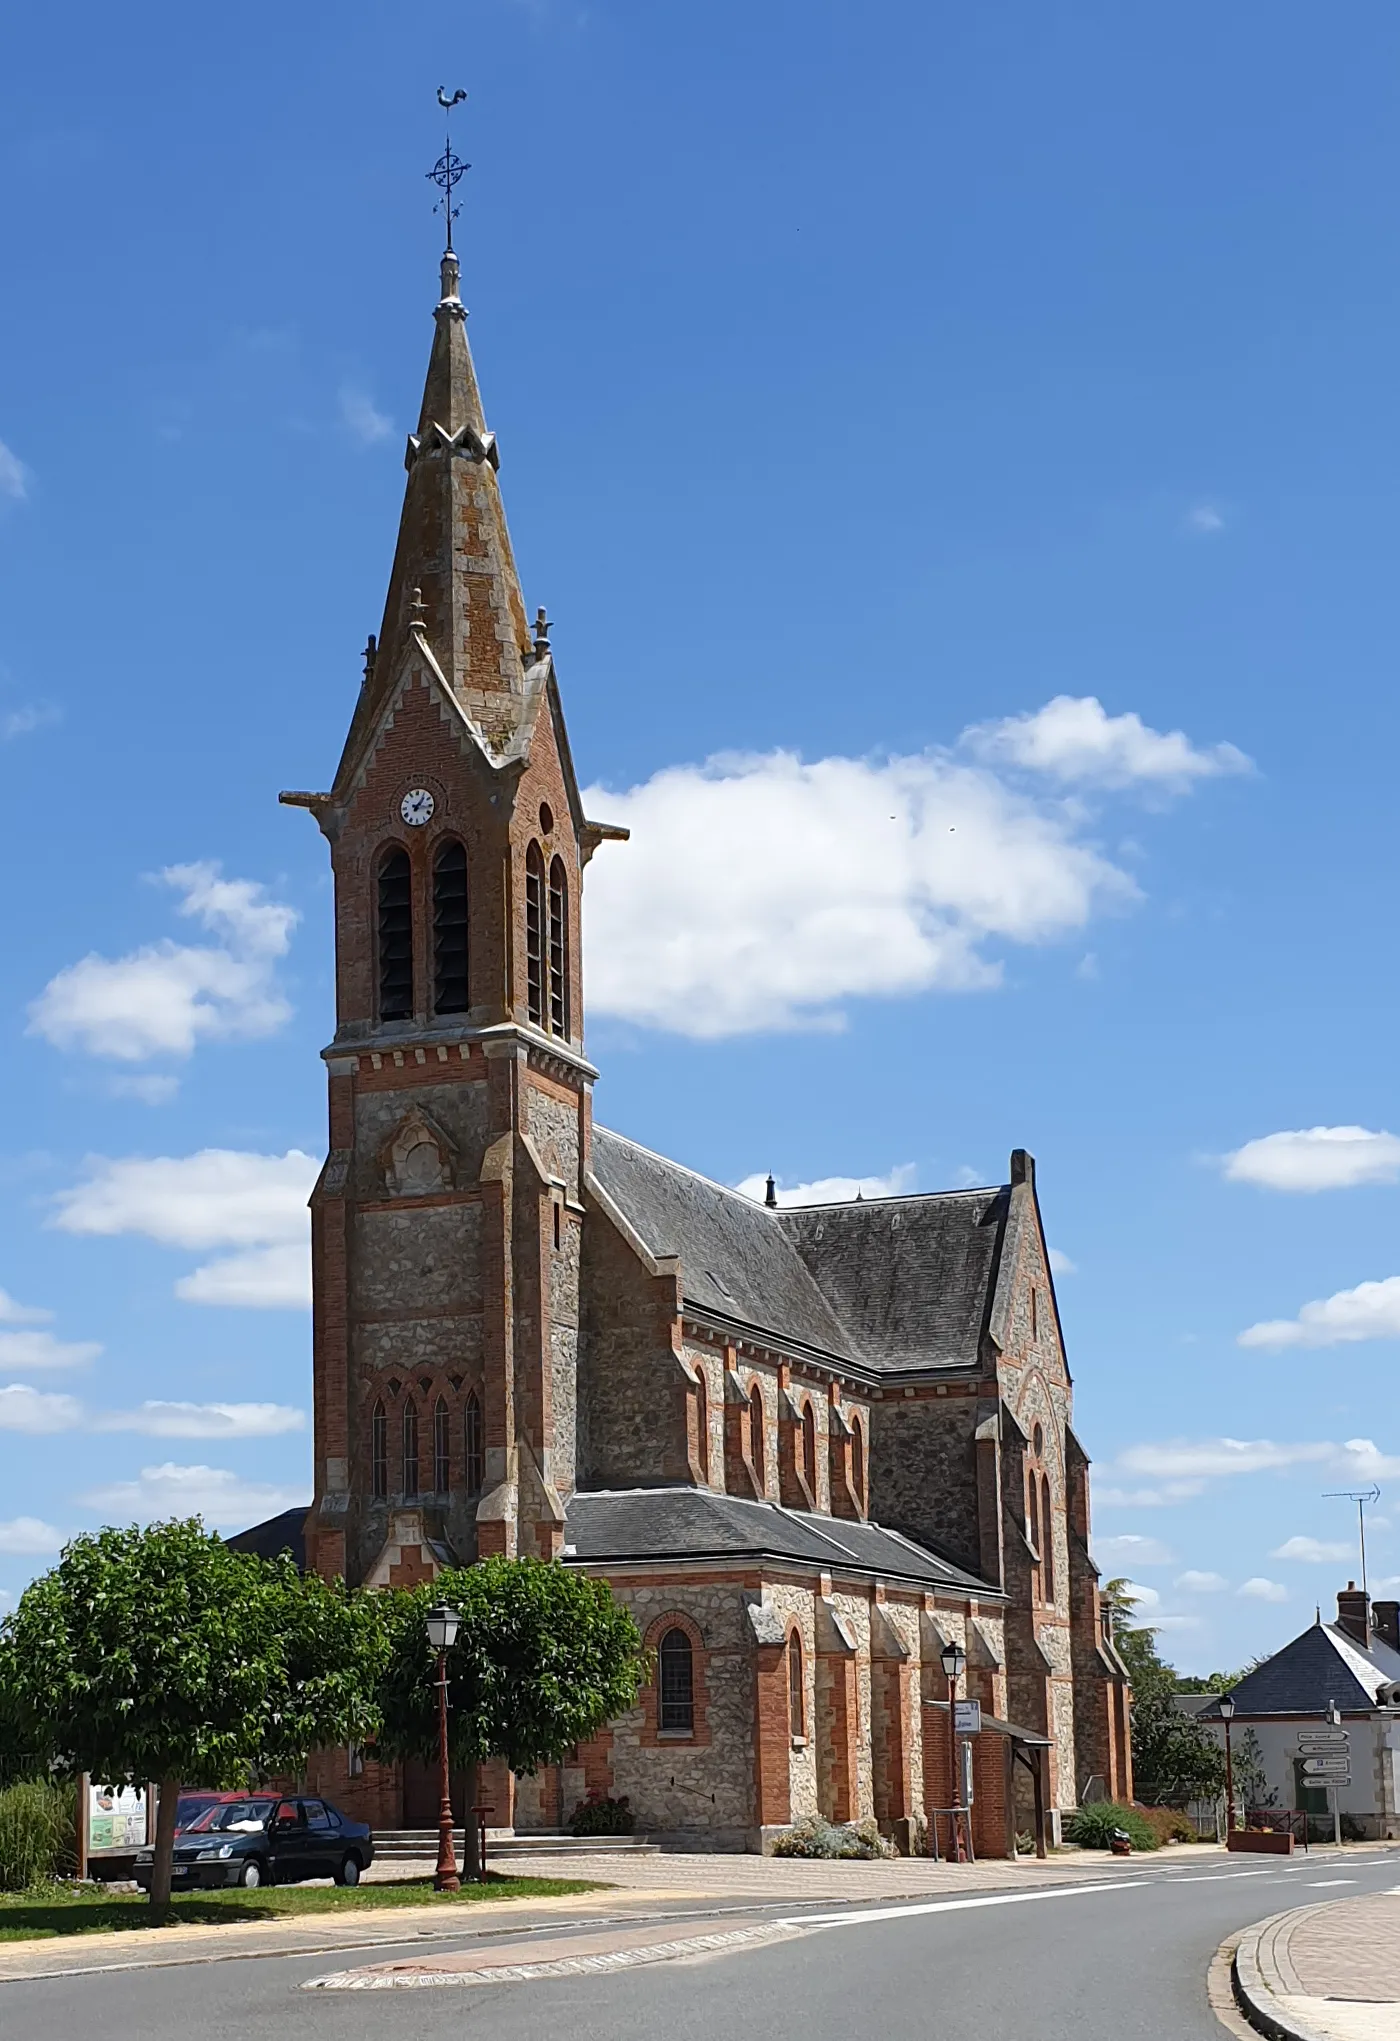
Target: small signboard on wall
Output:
{"points": [[116, 1817], [967, 1718]]}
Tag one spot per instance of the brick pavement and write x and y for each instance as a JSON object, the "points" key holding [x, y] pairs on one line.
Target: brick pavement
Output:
{"points": [[1329, 1972]]}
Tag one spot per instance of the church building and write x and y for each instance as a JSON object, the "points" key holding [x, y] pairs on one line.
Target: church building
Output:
{"points": [[809, 1448]]}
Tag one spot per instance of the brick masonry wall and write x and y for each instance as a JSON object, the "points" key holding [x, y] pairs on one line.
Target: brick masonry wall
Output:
{"points": [[923, 1473], [632, 1388]]}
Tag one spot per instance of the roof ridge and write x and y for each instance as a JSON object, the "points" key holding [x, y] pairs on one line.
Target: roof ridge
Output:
{"points": [[749, 1204], [821, 1204]]}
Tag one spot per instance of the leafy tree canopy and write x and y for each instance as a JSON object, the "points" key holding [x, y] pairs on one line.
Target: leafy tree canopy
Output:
{"points": [[1174, 1758], [543, 1658]]}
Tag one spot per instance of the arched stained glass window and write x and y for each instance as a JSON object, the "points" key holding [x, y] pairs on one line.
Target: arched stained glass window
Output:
{"points": [[442, 1447], [675, 1682], [797, 1694], [379, 1449], [410, 1448], [473, 1444], [756, 1453], [1047, 1538], [558, 949], [395, 936], [450, 929], [809, 1446]]}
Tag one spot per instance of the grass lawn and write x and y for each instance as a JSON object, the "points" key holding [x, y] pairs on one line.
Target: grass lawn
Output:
{"points": [[56, 1910]]}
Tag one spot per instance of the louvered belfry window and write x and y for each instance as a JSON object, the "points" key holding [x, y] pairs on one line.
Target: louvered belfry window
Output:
{"points": [[558, 949], [395, 936], [450, 930], [676, 1682], [534, 935]]}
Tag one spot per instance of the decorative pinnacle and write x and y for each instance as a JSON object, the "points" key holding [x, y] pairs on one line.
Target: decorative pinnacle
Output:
{"points": [[449, 170], [417, 611], [371, 654], [542, 630], [770, 1195]]}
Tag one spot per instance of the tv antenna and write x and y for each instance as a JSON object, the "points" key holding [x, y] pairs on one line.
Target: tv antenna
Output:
{"points": [[1360, 1496]]}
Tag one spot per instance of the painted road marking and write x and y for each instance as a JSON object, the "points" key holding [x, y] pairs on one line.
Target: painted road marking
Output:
{"points": [[1316, 1884], [901, 1913]]}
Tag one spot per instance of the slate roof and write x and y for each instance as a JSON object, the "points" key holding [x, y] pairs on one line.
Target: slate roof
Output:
{"points": [[614, 1525], [1322, 1665], [886, 1283], [269, 1540]]}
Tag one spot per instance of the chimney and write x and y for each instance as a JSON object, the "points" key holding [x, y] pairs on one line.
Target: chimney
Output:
{"points": [[1385, 1623], [1353, 1606], [1022, 1166]]}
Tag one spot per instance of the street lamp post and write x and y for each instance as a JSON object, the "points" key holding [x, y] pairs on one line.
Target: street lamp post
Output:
{"points": [[442, 1625], [954, 1659], [1227, 1716]]}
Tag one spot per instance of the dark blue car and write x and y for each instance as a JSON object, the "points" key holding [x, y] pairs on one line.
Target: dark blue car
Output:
{"points": [[266, 1839]]}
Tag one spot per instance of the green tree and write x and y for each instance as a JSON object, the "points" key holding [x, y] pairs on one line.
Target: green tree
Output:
{"points": [[543, 1658], [1174, 1758], [161, 1654]]}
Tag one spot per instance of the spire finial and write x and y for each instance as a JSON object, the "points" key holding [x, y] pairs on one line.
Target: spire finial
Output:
{"points": [[449, 170], [542, 630], [417, 611], [770, 1195], [371, 654]]}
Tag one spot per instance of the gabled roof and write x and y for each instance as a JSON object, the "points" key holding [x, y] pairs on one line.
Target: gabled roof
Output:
{"points": [[885, 1283], [286, 1533], [613, 1526], [1321, 1666]]}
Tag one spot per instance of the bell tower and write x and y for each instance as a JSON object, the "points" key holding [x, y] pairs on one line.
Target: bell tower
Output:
{"points": [[446, 1223]]}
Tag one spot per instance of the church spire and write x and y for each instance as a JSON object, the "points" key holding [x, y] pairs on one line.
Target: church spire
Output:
{"points": [[454, 579]]}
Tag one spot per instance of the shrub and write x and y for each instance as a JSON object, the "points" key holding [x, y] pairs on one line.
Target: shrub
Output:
{"points": [[36, 1834], [1169, 1824], [600, 1815], [1092, 1827], [817, 1837]]}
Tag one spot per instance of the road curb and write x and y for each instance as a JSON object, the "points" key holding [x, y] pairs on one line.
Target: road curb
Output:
{"points": [[1254, 1963]]}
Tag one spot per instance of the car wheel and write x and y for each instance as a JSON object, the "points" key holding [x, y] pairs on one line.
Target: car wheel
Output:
{"points": [[349, 1872], [251, 1874]]}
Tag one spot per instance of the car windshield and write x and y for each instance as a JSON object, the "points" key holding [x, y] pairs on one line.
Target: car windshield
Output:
{"points": [[238, 1816]]}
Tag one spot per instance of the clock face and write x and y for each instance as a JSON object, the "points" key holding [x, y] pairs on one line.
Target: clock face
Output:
{"points": [[416, 807]]}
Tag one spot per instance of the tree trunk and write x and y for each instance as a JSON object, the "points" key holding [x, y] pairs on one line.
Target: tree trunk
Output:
{"points": [[471, 1836], [167, 1808]]}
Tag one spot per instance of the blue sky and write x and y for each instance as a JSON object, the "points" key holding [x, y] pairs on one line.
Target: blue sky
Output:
{"points": [[922, 423]]}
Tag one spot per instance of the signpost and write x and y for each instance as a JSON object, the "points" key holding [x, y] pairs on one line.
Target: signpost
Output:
{"points": [[1326, 1756], [967, 1718]]}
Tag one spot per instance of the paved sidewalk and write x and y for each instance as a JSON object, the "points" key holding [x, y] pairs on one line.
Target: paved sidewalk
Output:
{"points": [[1325, 1973]]}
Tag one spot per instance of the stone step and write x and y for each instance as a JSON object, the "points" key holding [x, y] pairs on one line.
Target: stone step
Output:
{"points": [[402, 1843]]}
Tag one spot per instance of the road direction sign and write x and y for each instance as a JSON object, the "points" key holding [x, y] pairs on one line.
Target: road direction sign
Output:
{"points": [[1319, 1743], [1326, 1768]]}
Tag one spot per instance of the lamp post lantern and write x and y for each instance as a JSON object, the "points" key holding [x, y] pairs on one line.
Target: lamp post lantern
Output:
{"points": [[443, 1623], [954, 1659], [1227, 1716]]}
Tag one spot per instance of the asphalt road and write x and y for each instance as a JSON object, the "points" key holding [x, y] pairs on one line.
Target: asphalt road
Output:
{"points": [[1108, 1962]]}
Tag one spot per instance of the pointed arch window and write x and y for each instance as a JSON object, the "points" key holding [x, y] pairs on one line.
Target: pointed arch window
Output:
{"points": [[809, 1447], [473, 1445], [756, 1454], [534, 935], [379, 1449], [395, 933], [442, 1447], [1047, 1538], [797, 1688], [1033, 1530], [675, 1682], [450, 929], [859, 1468], [702, 1425], [558, 949], [410, 1448]]}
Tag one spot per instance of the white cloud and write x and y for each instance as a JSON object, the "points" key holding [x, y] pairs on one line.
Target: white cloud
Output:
{"points": [[28, 1535], [1258, 1589], [23, 1409], [1073, 739], [33, 1351], [152, 1090], [163, 999], [219, 1197], [204, 1420], [13, 1313], [1162, 1497], [1131, 1549], [1194, 1583], [1061, 1265], [1370, 1311], [1316, 1159], [1147, 1599], [14, 476], [22, 722], [221, 1497], [1203, 1458], [1176, 1622], [835, 1190], [360, 417], [760, 892], [1204, 519], [1316, 1551]]}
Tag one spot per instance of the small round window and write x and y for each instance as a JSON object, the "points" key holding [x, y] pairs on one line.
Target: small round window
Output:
{"points": [[546, 817]]}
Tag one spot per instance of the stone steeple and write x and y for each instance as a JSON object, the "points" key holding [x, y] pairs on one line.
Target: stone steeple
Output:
{"points": [[454, 574]]}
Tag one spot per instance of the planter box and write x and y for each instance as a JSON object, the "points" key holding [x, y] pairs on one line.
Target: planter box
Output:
{"points": [[1261, 1842]]}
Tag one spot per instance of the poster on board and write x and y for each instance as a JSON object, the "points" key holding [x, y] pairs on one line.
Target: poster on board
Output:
{"points": [[116, 1818]]}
